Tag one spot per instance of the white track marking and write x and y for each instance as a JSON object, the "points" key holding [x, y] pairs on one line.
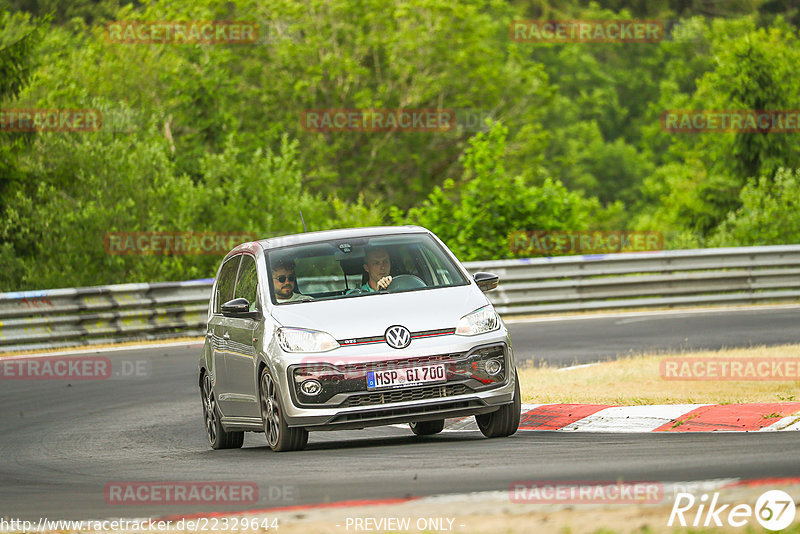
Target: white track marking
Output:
{"points": [[581, 366], [631, 418], [622, 315], [790, 422], [77, 352]]}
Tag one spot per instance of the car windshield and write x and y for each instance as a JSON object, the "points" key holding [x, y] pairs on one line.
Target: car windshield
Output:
{"points": [[350, 268]]}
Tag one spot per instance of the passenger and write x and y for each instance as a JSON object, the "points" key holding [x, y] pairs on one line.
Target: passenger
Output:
{"points": [[285, 282]]}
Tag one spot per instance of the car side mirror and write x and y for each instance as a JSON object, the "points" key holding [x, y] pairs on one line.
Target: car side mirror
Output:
{"points": [[486, 281], [239, 308]]}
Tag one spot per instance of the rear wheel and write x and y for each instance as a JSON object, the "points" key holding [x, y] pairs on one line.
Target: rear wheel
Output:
{"points": [[427, 428], [280, 437], [217, 436], [504, 421]]}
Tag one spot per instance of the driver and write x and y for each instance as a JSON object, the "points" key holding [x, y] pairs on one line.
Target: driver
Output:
{"points": [[377, 264]]}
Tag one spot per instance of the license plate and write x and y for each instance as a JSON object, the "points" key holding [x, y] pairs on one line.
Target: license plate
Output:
{"points": [[409, 376]]}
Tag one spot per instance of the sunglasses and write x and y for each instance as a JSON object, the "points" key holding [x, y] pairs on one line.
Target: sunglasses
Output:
{"points": [[282, 278]]}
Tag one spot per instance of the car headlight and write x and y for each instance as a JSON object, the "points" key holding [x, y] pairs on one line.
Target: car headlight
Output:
{"points": [[480, 321], [302, 340]]}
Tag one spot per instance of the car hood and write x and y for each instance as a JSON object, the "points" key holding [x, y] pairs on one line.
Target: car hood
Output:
{"points": [[371, 315]]}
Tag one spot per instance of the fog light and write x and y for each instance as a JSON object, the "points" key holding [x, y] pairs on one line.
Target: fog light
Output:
{"points": [[311, 388], [493, 367]]}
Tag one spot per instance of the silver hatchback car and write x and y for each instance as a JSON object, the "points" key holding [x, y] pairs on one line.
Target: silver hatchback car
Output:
{"points": [[346, 329]]}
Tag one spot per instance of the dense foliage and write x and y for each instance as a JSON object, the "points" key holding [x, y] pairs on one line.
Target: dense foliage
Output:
{"points": [[210, 137]]}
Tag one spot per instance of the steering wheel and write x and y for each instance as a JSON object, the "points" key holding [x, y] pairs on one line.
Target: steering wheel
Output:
{"points": [[403, 282]]}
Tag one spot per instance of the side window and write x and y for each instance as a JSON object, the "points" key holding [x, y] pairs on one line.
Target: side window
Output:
{"points": [[247, 283], [227, 277]]}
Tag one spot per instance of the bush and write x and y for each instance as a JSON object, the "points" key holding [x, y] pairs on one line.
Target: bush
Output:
{"points": [[476, 217], [769, 215]]}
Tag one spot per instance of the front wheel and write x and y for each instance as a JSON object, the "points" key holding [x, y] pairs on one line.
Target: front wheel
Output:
{"points": [[280, 437], [427, 428], [217, 436], [504, 421]]}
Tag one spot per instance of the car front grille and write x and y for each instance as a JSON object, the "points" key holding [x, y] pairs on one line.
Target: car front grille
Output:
{"points": [[397, 364], [405, 395]]}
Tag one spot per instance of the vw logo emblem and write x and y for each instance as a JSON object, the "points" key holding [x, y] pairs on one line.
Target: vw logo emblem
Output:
{"points": [[398, 337]]}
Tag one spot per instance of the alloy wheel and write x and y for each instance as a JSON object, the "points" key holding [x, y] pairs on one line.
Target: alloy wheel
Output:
{"points": [[209, 410], [270, 410]]}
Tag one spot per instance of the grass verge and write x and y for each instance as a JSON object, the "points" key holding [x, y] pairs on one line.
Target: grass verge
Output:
{"points": [[637, 380]]}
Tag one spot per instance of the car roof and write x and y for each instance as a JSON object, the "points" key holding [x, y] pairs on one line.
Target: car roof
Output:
{"points": [[313, 237]]}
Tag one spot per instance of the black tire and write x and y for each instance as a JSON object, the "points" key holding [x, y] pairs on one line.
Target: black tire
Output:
{"points": [[216, 434], [505, 421], [427, 428], [280, 437]]}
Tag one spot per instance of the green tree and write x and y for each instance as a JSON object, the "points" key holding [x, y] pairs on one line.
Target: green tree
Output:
{"points": [[82, 186], [769, 213], [701, 175], [62, 12], [19, 37], [489, 204]]}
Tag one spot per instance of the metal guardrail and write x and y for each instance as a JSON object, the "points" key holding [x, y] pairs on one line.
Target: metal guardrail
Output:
{"points": [[645, 279], [64, 317], [104, 314]]}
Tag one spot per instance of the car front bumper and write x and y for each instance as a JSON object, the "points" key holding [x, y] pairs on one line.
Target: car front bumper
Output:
{"points": [[458, 397]]}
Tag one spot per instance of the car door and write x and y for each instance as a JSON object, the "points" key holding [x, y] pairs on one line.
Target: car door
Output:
{"points": [[240, 356], [217, 328]]}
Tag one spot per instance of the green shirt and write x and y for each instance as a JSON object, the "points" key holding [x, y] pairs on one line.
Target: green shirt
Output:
{"points": [[366, 287]]}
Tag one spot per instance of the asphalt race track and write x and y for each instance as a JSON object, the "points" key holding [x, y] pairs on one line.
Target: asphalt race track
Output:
{"points": [[62, 442], [585, 340]]}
